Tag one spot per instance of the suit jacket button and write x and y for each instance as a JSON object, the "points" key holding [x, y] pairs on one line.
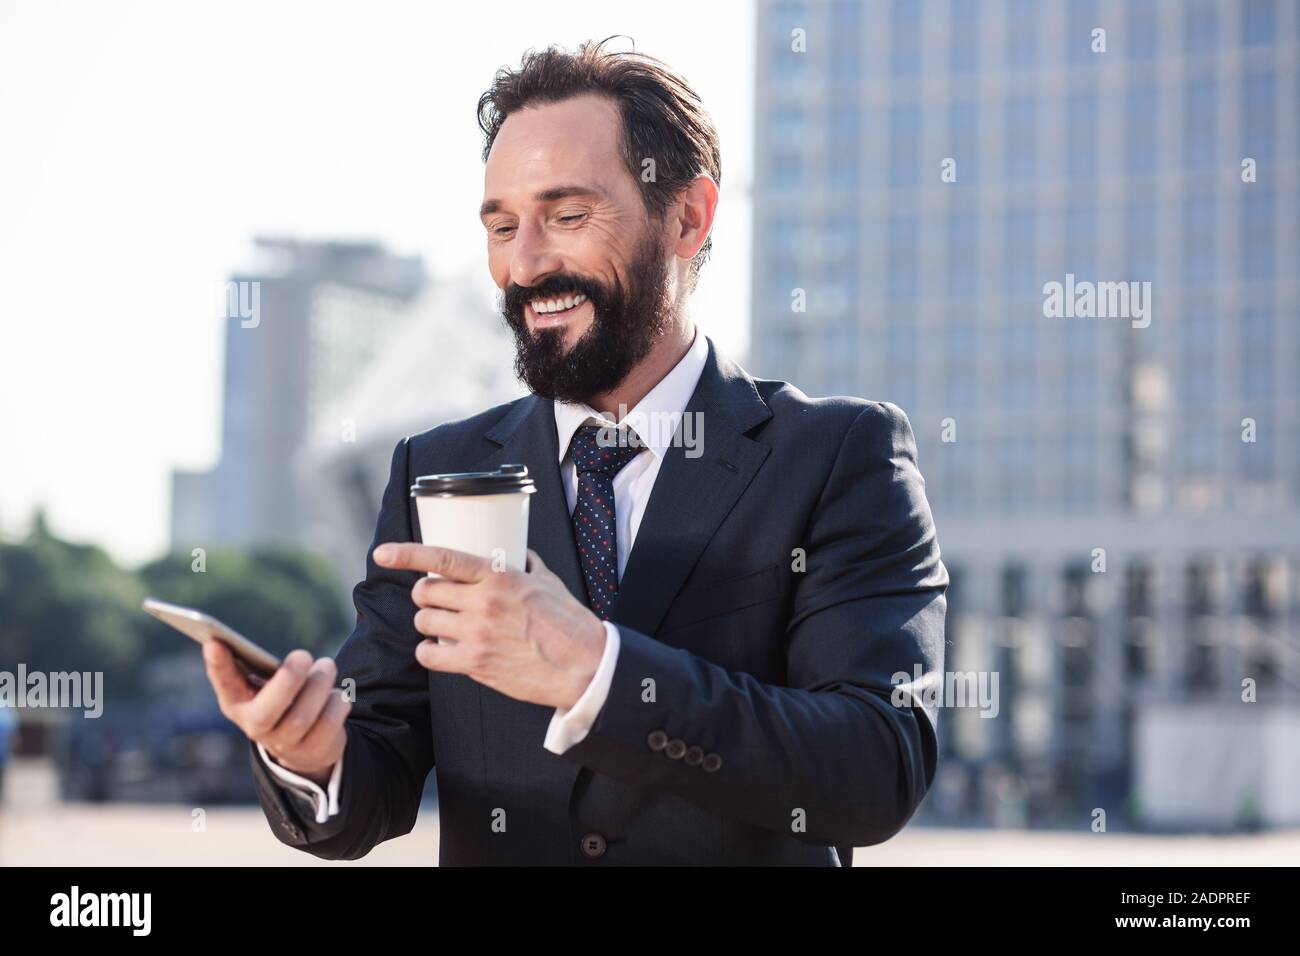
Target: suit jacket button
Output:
{"points": [[657, 741], [675, 749], [711, 763], [593, 845], [694, 756]]}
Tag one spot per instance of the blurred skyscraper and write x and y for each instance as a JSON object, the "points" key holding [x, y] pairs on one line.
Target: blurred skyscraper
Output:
{"points": [[1118, 502], [453, 357], [301, 323]]}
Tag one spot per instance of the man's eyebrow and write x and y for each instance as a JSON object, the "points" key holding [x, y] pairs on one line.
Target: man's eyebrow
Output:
{"points": [[547, 195]]}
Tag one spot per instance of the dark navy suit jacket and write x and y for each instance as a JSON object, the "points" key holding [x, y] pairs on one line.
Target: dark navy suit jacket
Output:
{"points": [[778, 583]]}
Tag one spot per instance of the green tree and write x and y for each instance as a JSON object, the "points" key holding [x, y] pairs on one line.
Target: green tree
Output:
{"points": [[66, 606], [278, 597]]}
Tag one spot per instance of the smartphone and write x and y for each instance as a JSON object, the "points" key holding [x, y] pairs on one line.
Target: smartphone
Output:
{"points": [[257, 663]]}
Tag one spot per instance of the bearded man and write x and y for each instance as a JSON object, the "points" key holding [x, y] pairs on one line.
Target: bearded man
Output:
{"points": [[731, 668]]}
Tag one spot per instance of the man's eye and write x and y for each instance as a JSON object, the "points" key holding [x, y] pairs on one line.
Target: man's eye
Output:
{"points": [[572, 217], [503, 230]]}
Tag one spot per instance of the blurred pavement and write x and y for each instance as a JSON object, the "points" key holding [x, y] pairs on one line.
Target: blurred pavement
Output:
{"points": [[37, 830]]}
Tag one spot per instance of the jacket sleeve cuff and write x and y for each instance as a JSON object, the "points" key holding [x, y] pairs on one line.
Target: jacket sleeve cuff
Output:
{"points": [[569, 727], [326, 802]]}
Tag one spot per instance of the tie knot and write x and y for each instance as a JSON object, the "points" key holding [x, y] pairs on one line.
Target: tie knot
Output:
{"points": [[604, 449]]}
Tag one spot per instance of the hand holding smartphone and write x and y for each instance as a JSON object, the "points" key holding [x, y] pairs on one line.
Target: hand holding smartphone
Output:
{"points": [[258, 663], [290, 707]]}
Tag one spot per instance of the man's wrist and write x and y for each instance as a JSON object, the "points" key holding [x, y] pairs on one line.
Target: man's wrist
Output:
{"points": [[570, 727], [593, 650], [319, 777]]}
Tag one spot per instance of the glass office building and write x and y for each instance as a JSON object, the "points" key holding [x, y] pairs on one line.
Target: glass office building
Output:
{"points": [[1118, 494]]}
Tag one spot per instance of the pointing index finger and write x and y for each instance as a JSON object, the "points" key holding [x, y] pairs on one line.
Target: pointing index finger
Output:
{"points": [[456, 565]]}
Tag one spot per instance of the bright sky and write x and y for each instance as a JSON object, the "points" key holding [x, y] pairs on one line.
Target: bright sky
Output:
{"points": [[142, 145]]}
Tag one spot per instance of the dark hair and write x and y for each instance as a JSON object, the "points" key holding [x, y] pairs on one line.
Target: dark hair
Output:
{"points": [[663, 117]]}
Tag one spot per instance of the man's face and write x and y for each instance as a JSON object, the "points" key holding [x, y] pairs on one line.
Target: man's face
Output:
{"points": [[584, 271]]}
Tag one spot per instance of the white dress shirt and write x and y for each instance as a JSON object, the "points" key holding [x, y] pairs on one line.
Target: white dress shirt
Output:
{"points": [[654, 419]]}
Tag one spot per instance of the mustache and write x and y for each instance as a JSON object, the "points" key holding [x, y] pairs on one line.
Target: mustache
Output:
{"points": [[515, 297]]}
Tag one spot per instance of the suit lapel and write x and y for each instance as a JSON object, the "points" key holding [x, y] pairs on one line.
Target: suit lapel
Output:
{"points": [[527, 436], [692, 495]]}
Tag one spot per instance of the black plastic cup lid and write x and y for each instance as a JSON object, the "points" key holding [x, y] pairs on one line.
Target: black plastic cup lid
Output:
{"points": [[508, 479]]}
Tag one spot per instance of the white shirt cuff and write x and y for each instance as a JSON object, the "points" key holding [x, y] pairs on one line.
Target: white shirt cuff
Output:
{"points": [[569, 727], [326, 801]]}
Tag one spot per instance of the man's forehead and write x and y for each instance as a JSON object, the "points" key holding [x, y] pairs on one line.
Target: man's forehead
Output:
{"points": [[587, 114], [545, 145]]}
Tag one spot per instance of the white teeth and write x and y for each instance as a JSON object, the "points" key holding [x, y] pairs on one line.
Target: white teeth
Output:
{"points": [[541, 307]]}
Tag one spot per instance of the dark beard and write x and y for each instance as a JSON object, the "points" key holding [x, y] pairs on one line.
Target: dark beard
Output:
{"points": [[626, 323]]}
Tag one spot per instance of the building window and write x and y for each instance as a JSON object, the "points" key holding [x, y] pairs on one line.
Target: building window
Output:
{"points": [[1143, 31], [1019, 388], [905, 38], [1140, 240], [1200, 26], [963, 255], [1081, 135], [846, 67], [840, 238], [964, 138], [1257, 350], [1258, 128], [964, 36], [1200, 134], [1021, 268], [903, 281], [1196, 381], [1084, 17], [1199, 448], [904, 145], [959, 388], [900, 343], [1021, 144], [787, 171], [1200, 218], [1081, 240], [1139, 609], [1080, 461], [1140, 129], [1257, 22], [1257, 460], [1022, 34], [1018, 473], [954, 466], [1258, 242], [1201, 625], [785, 128]]}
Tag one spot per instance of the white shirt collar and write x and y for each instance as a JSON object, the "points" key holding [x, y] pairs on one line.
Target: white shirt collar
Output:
{"points": [[655, 417]]}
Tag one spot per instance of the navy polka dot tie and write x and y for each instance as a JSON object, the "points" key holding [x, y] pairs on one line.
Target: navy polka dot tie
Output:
{"points": [[599, 453]]}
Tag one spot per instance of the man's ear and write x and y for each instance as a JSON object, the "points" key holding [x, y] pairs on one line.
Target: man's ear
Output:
{"points": [[693, 213]]}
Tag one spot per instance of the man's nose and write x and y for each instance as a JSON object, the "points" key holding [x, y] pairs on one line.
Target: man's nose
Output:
{"points": [[533, 257]]}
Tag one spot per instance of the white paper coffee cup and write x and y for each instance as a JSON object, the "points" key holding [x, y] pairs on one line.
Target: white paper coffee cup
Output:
{"points": [[482, 512]]}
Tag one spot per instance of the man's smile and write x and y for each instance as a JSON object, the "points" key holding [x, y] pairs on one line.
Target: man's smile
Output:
{"points": [[555, 311]]}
